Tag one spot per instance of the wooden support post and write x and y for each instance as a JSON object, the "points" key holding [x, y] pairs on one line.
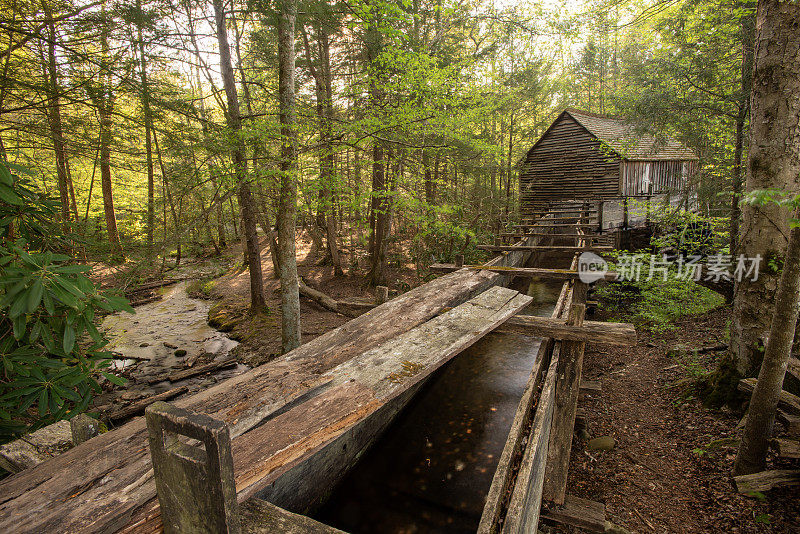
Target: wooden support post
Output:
{"points": [[588, 516], [381, 294], [568, 379], [83, 428], [600, 217], [459, 260], [195, 484]]}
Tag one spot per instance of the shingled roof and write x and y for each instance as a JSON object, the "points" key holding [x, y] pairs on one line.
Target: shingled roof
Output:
{"points": [[621, 136]]}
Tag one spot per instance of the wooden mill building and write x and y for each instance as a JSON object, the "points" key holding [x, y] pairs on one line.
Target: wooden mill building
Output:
{"points": [[601, 159]]}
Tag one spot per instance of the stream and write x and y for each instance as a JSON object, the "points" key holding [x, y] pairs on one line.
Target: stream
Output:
{"points": [[433, 467], [167, 335]]}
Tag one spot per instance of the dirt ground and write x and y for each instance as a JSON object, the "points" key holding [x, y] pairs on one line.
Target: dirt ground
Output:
{"points": [[669, 470], [260, 336]]}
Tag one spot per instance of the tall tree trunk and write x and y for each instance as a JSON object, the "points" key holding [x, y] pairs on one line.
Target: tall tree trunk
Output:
{"points": [[747, 30], [380, 216], [429, 185], [148, 126], [773, 163], [752, 454], [327, 163], [176, 220], [287, 209], [106, 107], [326, 216], [56, 128], [245, 197], [71, 186]]}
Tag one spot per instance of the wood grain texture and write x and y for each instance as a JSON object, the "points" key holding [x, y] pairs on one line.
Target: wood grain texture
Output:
{"points": [[522, 515], [767, 480], [589, 516], [787, 401], [506, 473], [106, 483], [548, 248], [623, 334], [524, 272]]}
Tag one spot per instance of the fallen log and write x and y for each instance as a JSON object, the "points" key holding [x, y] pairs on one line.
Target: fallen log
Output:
{"points": [[584, 514], [794, 367], [201, 370], [62, 494], [767, 480], [323, 300], [788, 448], [551, 234], [787, 401], [137, 408], [154, 285], [147, 300]]}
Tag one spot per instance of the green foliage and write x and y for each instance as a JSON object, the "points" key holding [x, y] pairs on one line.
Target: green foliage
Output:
{"points": [[52, 352], [439, 233], [654, 304], [684, 231], [763, 197]]}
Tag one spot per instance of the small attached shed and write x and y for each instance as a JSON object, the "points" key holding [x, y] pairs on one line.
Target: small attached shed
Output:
{"points": [[595, 158]]}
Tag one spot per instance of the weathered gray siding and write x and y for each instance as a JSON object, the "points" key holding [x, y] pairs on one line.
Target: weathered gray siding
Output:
{"points": [[568, 163]]}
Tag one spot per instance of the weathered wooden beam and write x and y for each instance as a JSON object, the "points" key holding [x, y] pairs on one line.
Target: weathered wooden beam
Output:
{"points": [[515, 445], [767, 480], [787, 401], [505, 476], [547, 248], [623, 334], [194, 481], [518, 235], [524, 272], [544, 224], [568, 379], [364, 384], [261, 517], [788, 448], [588, 218], [577, 209], [355, 390], [576, 512], [590, 386], [524, 505]]}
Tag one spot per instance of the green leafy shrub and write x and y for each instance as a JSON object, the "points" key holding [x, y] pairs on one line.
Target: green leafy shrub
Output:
{"points": [[654, 304], [52, 352], [685, 231]]}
